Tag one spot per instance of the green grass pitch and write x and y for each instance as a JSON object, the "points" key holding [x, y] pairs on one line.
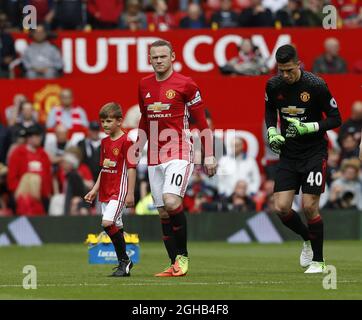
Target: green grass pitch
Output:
{"points": [[217, 271]]}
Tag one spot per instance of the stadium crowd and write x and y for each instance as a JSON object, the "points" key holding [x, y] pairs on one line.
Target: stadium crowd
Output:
{"points": [[63, 163], [164, 15], [42, 59], [63, 152]]}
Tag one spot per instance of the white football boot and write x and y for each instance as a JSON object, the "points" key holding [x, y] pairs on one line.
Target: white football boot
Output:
{"points": [[316, 267], [306, 256]]}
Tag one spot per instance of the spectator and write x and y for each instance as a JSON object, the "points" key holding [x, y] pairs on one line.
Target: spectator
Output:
{"points": [[55, 145], [13, 10], [69, 14], [133, 18], [194, 19], [292, 15], [214, 5], [346, 191], [82, 169], [41, 59], [12, 113], [256, 16], [313, 13], [349, 147], [5, 141], [225, 17], [241, 5], [353, 125], [74, 187], [330, 61], [264, 200], [18, 138], [333, 161], [200, 191], [349, 11], [235, 167], [274, 5], [74, 118], [30, 158], [104, 14], [146, 206], [28, 195], [7, 48], [160, 19], [360, 150], [357, 21], [26, 118], [239, 200], [90, 148], [44, 11], [4, 192], [248, 62]]}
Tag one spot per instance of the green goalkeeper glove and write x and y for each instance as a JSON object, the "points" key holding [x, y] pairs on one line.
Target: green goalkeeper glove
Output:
{"points": [[276, 140], [297, 128]]}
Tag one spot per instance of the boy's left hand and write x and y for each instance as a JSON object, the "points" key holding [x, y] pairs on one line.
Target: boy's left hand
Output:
{"points": [[129, 201]]}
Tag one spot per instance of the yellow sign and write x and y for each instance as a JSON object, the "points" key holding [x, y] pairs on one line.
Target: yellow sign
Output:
{"points": [[104, 238]]}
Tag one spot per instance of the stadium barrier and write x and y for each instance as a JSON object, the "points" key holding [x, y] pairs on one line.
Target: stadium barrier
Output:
{"points": [[229, 226]]}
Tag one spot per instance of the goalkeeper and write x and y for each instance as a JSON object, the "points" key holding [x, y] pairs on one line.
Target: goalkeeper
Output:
{"points": [[306, 110]]}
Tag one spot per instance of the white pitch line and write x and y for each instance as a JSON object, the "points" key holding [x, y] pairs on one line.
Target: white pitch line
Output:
{"points": [[151, 282]]}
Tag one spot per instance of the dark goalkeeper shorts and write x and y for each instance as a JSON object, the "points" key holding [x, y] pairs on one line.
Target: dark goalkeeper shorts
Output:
{"points": [[309, 174]]}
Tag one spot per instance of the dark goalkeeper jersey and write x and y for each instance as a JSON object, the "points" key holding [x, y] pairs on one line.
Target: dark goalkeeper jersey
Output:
{"points": [[308, 100]]}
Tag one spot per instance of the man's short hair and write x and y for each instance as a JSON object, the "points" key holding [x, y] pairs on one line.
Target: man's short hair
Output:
{"points": [[162, 43], [111, 110], [286, 53]]}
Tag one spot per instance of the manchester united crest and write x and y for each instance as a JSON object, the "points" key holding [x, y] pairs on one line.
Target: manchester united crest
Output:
{"points": [[305, 96], [170, 94], [115, 151]]}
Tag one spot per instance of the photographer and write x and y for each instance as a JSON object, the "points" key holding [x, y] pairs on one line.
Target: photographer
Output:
{"points": [[346, 192]]}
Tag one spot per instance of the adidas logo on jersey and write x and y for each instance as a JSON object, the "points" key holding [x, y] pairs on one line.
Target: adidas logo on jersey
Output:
{"points": [[148, 95]]}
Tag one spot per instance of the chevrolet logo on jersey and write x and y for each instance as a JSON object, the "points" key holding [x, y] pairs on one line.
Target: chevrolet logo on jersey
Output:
{"points": [[107, 163], [158, 107], [293, 110]]}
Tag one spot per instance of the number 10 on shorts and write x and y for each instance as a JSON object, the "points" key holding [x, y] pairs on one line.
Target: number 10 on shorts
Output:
{"points": [[176, 179], [315, 178]]}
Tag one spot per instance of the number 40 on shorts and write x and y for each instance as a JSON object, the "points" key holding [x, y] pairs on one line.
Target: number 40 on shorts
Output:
{"points": [[315, 178]]}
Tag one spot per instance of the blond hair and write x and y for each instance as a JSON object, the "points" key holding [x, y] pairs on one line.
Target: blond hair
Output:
{"points": [[351, 163], [30, 184], [111, 110]]}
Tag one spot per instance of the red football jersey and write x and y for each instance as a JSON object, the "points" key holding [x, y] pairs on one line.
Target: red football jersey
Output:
{"points": [[115, 162], [165, 105], [23, 160]]}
